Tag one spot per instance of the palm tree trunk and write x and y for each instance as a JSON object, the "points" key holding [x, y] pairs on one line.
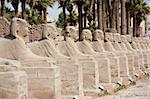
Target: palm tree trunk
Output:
{"points": [[15, 4], [134, 22], [128, 19], [113, 24], [2, 8], [65, 21], [104, 15], [94, 14], [138, 30], [134, 25], [45, 14], [85, 18], [23, 9], [128, 22], [99, 13], [31, 8], [104, 18], [109, 14], [117, 16], [94, 20], [80, 19], [123, 18]]}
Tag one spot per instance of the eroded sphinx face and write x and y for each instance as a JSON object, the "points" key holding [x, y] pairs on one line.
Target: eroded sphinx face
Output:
{"points": [[87, 35], [18, 28], [72, 32], [129, 38], [116, 37], [109, 37], [123, 38], [49, 31], [23, 28], [99, 35]]}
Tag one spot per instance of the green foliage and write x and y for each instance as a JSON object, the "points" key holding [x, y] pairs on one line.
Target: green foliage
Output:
{"points": [[140, 8], [35, 18], [60, 21], [9, 14]]}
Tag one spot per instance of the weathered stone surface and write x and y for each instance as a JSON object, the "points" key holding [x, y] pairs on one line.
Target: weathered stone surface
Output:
{"points": [[13, 84], [44, 82], [81, 66], [70, 70]]}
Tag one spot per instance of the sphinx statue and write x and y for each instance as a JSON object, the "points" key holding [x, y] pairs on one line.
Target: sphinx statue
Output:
{"points": [[13, 47], [101, 58], [138, 57], [71, 82], [136, 46], [111, 46], [143, 53], [46, 46], [87, 62]]}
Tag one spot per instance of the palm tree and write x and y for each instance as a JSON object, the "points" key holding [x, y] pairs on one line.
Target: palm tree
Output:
{"points": [[117, 16], [41, 6], [99, 14], [89, 12], [2, 7], [128, 4], [139, 11], [63, 4], [23, 8], [86, 9], [31, 4], [15, 4], [104, 17], [80, 3], [123, 18], [113, 15]]}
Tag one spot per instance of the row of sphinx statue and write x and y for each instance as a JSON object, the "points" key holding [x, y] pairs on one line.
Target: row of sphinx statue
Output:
{"points": [[52, 68]]}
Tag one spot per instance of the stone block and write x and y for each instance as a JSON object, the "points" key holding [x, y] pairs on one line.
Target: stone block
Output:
{"points": [[44, 82], [13, 85]]}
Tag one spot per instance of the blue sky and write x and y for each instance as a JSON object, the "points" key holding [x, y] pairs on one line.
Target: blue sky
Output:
{"points": [[54, 12]]}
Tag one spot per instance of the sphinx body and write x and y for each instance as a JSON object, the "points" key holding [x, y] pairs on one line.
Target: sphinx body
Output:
{"points": [[86, 47], [142, 52], [88, 64], [71, 75], [13, 47]]}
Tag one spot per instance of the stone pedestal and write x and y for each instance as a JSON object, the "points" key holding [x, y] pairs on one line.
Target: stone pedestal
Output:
{"points": [[44, 82], [13, 84]]}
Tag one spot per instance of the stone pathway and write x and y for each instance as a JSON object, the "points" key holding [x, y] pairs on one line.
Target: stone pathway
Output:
{"points": [[139, 91]]}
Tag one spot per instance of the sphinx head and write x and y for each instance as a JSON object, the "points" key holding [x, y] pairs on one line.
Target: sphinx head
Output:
{"points": [[72, 32], [109, 36], [123, 38], [49, 31], [87, 35], [117, 37], [18, 27], [129, 38], [99, 35]]}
